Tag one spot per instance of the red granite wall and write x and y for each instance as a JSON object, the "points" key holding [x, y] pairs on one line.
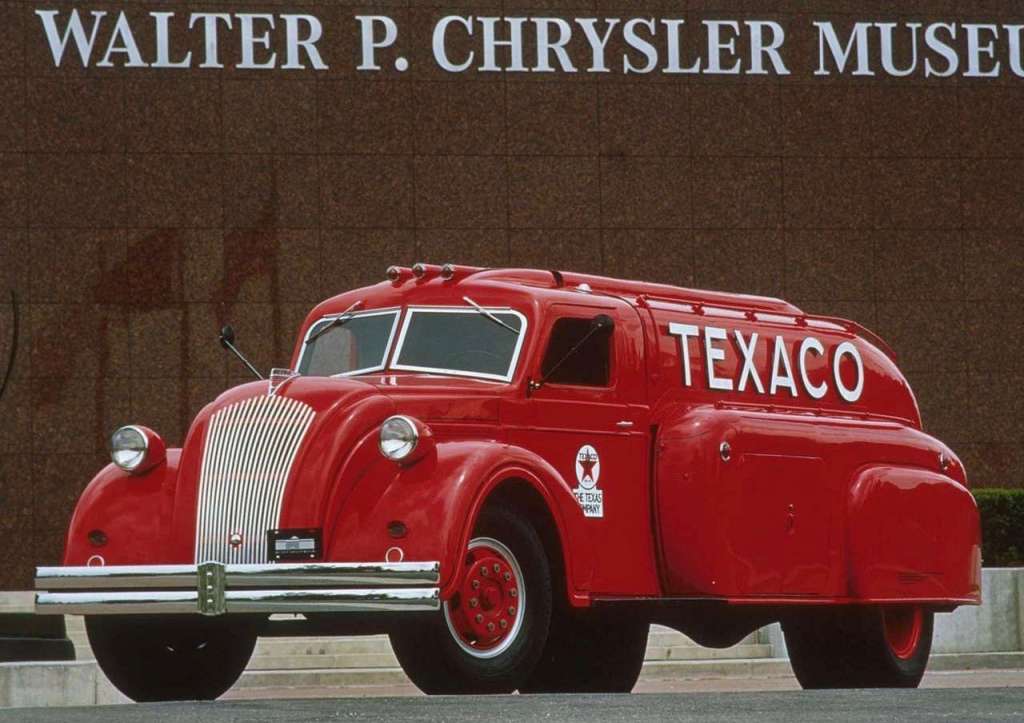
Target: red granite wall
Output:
{"points": [[141, 209]]}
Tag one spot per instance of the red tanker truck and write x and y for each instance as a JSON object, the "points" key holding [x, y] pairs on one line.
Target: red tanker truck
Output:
{"points": [[515, 472]]}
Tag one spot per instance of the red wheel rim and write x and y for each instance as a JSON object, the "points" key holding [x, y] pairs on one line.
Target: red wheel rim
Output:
{"points": [[486, 613], [903, 630]]}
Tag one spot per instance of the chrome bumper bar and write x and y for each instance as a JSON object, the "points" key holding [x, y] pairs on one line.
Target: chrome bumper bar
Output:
{"points": [[214, 588]]}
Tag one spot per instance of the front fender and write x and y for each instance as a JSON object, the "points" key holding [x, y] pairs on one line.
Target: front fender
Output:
{"points": [[912, 534], [133, 511], [439, 499]]}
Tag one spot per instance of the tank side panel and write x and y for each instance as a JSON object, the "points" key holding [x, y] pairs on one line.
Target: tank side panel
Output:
{"points": [[785, 352], [789, 514], [687, 508]]}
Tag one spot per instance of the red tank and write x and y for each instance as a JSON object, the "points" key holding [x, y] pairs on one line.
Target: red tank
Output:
{"points": [[514, 473]]}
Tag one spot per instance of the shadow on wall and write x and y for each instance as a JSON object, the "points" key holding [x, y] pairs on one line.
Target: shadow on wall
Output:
{"points": [[248, 254], [12, 350]]}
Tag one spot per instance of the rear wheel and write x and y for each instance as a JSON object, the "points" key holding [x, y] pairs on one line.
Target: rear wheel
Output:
{"points": [[590, 654], [489, 636], [875, 647], [174, 657]]}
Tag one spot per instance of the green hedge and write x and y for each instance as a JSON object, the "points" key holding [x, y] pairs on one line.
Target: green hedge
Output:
{"points": [[1002, 526]]}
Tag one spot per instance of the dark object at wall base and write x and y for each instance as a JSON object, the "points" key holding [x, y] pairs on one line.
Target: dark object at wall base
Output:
{"points": [[1002, 526], [25, 636]]}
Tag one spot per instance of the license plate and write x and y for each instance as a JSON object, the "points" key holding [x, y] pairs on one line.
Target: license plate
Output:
{"points": [[304, 544]]}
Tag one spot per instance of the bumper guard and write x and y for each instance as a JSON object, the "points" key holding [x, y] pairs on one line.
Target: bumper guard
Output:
{"points": [[214, 588]]}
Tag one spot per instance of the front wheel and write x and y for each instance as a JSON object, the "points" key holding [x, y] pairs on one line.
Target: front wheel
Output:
{"points": [[173, 657], [492, 631], [873, 647]]}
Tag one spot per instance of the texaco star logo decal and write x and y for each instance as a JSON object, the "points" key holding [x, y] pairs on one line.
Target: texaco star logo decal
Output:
{"points": [[588, 467]]}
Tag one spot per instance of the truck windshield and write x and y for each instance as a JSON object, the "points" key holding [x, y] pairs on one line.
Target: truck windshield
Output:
{"points": [[348, 343], [474, 342]]}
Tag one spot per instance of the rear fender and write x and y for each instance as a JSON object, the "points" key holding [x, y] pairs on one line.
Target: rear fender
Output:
{"points": [[912, 534], [133, 511]]}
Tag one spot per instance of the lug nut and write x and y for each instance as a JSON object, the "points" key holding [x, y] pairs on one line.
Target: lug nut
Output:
{"points": [[497, 567], [484, 571], [511, 610], [504, 623], [507, 576], [513, 592], [473, 602], [476, 584], [479, 618], [490, 627]]}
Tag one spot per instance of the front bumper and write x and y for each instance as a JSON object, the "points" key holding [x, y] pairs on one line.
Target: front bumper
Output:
{"points": [[214, 588]]}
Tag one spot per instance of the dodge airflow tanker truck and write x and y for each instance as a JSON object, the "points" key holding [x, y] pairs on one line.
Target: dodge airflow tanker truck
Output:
{"points": [[513, 473]]}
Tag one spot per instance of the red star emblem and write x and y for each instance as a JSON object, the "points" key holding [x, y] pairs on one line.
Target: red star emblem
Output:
{"points": [[587, 462]]}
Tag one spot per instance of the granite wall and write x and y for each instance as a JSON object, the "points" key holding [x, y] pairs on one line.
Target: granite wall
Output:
{"points": [[142, 208]]}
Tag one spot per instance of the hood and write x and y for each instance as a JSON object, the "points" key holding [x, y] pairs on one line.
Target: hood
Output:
{"points": [[253, 461], [435, 399]]}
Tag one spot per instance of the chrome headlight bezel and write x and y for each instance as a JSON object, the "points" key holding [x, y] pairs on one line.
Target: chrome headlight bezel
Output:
{"points": [[129, 448], [399, 437], [136, 449]]}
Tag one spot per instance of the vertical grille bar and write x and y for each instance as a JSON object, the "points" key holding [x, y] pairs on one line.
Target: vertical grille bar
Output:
{"points": [[250, 448]]}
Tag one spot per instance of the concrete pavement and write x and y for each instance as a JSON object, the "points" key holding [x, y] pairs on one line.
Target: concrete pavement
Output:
{"points": [[989, 704]]}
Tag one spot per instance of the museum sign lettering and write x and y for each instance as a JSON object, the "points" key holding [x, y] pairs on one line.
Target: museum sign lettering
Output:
{"points": [[462, 44]]}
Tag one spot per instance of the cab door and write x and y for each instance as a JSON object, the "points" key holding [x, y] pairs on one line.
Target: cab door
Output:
{"points": [[589, 419]]}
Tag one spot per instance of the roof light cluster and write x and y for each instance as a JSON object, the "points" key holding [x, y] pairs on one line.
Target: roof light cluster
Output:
{"points": [[422, 272]]}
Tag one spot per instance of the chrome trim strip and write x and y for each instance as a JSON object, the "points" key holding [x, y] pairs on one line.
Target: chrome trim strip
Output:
{"points": [[117, 603], [240, 601], [373, 312], [299, 601], [313, 574], [413, 310]]}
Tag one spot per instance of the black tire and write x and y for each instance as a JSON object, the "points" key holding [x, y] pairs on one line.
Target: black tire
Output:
{"points": [[173, 657], [438, 662], [587, 653], [850, 648]]}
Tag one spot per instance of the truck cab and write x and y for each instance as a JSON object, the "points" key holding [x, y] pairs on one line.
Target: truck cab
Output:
{"points": [[513, 473]]}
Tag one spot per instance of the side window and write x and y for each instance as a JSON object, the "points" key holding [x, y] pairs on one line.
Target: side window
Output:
{"points": [[589, 366]]}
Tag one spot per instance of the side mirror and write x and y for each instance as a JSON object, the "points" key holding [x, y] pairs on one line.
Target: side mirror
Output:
{"points": [[602, 322], [227, 337], [227, 340]]}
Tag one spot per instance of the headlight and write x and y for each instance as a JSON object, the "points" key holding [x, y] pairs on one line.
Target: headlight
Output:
{"points": [[128, 448], [136, 449], [398, 438]]}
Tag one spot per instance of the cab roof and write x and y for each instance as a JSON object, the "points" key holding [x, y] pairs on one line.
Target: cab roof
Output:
{"points": [[536, 282], [402, 284]]}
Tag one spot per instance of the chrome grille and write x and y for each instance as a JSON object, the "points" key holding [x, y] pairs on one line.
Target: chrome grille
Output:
{"points": [[250, 448]]}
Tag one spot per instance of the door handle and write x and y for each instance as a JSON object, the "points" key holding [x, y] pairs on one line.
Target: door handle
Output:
{"points": [[624, 424]]}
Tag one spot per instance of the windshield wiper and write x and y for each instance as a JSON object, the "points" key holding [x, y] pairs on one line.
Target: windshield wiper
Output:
{"points": [[489, 315], [337, 321]]}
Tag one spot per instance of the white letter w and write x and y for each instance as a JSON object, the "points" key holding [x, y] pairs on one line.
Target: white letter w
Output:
{"points": [[59, 42]]}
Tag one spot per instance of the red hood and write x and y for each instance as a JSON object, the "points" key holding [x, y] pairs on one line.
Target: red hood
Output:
{"points": [[441, 399], [339, 449]]}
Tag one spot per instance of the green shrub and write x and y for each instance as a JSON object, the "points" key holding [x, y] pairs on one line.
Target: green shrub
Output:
{"points": [[1002, 526]]}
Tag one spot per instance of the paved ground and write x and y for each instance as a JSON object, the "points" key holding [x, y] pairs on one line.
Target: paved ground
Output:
{"points": [[705, 684], [967, 704]]}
